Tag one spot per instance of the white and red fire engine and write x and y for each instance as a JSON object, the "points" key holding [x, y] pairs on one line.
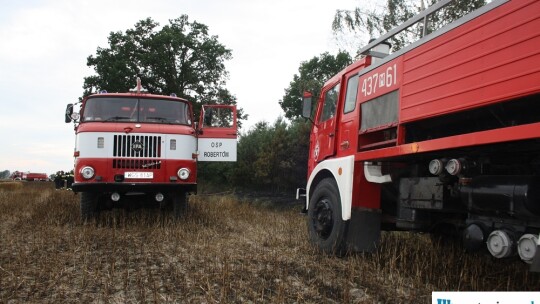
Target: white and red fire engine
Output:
{"points": [[29, 176], [139, 146], [442, 136]]}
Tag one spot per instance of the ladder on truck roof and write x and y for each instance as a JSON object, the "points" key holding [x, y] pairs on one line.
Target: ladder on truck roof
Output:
{"points": [[421, 17]]}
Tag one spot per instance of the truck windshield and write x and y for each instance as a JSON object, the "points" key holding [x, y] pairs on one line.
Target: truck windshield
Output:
{"points": [[146, 110]]}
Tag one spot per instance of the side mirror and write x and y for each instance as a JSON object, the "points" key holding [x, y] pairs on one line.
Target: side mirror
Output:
{"points": [[306, 109], [69, 112], [69, 115]]}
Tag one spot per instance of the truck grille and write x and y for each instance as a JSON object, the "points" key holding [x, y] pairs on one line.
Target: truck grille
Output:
{"points": [[136, 164], [137, 146]]}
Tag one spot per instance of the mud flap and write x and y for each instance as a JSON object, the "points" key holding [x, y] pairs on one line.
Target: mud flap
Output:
{"points": [[364, 231]]}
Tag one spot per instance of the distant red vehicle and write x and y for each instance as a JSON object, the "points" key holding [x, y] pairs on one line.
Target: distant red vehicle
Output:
{"points": [[29, 176], [441, 136]]}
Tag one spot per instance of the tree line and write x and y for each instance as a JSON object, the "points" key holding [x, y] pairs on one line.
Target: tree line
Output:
{"points": [[4, 174], [270, 157]]}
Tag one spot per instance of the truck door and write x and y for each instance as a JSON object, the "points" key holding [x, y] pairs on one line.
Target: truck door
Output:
{"points": [[326, 124], [217, 133]]}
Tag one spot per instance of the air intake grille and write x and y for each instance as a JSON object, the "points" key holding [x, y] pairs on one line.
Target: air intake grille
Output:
{"points": [[136, 164], [137, 146]]}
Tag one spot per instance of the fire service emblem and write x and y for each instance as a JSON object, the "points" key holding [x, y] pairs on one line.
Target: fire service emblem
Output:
{"points": [[137, 146]]}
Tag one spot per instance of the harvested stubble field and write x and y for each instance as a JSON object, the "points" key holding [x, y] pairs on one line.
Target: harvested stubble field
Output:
{"points": [[225, 250]]}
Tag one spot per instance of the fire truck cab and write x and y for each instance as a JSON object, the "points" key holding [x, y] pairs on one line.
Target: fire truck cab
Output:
{"points": [[441, 136], [143, 147]]}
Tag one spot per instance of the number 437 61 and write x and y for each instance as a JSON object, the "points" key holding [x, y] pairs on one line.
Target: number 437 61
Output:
{"points": [[380, 80]]}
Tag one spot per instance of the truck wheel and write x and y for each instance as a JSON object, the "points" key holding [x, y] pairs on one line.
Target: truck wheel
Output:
{"points": [[179, 201], [89, 205], [325, 225]]}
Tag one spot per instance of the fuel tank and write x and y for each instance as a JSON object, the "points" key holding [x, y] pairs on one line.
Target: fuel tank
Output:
{"points": [[514, 195]]}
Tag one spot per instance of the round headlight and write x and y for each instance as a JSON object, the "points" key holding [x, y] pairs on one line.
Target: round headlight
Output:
{"points": [[87, 172], [183, 173]]}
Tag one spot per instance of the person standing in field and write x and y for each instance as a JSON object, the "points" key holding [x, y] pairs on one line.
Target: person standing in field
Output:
{"points": [[58, 180]]}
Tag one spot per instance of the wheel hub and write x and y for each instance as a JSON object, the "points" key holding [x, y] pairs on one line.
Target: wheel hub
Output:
{"points": [[323, 219]]}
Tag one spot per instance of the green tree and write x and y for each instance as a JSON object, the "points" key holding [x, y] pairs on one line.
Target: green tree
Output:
{"points": [[271, 157], [376, 21], [4, 174], [312, 75], [251, 170], [181, 57], [295, 157]]}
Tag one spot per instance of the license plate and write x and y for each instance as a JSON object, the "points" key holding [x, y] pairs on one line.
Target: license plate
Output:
{"points": [[139, 175]]}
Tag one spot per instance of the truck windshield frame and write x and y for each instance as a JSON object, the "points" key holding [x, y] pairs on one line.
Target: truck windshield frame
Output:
{"points": [[136, 109]]}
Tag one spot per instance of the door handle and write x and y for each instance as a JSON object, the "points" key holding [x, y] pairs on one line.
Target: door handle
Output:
{"points": [[331, 135]]}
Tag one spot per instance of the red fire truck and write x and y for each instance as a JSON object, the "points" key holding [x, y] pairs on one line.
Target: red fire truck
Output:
{"points": [[441, 136], [133, 147], [29, 176]]}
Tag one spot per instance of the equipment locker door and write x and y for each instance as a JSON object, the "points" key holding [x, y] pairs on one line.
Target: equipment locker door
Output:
{"points": [[217, 133], [326, 124]]}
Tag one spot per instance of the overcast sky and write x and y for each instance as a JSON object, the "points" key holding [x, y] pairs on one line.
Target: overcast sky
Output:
{"points": [[44, 45]]}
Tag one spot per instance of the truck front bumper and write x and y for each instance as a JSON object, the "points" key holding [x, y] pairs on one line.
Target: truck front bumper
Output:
{"points": [[123, 187]]}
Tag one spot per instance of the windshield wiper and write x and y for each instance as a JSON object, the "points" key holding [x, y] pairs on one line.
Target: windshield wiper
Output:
{"points": [[161, 119], [116, 118]]}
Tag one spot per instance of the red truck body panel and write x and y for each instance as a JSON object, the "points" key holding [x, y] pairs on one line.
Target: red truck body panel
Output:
{"points": [[485, 61], [491, 58]]}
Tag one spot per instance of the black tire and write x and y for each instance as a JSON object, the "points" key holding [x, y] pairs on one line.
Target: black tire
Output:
{"points": [[179, 202], [326, 228], [89, 205]]}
